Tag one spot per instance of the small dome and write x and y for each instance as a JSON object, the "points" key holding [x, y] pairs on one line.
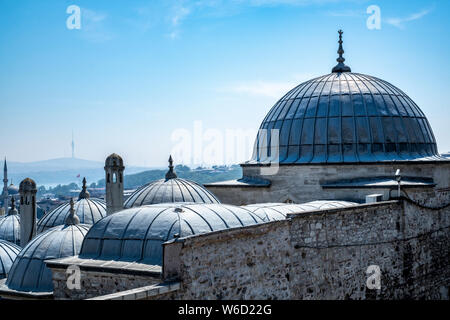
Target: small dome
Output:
{"points": [[29, 272], [10, 225], [89, 211], [137, 234], [27, 185], [279, 211], [8, 253], [13, 190], [115, 161], [169, 190]]}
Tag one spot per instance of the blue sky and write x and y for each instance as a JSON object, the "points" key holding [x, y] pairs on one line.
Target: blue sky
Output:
{"points": [[138, 70]]}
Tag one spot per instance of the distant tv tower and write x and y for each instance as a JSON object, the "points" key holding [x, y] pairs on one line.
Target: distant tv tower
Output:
{"points": [[73, 147]]}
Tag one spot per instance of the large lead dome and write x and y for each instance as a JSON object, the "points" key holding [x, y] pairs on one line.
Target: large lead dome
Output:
{"points": [[346, 117]]}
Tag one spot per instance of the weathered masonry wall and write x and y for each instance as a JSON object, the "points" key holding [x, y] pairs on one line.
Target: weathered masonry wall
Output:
{"points": [[302, 183], [319, 255], [96, 283]]}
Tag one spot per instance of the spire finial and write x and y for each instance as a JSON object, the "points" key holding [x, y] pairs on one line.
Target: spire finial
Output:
{"points": [[13, 209], [84, 194], [13, 203], [72, 218], [171, 174], [341, 67]]}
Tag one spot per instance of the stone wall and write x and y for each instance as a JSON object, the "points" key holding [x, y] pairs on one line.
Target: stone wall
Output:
{"points": [[311, 255], [96, 283], [322, 255], [302, 183]]}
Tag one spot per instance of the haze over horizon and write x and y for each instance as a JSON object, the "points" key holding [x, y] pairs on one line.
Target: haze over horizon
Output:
{"points": [[136, 72]]}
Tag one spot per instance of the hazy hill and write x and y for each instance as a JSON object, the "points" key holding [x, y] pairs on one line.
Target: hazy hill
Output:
{"points": [[60, 171], [53, 165]]}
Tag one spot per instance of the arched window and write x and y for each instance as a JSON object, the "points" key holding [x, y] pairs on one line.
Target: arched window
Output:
{"points": [[114, 177], [108, 178]]}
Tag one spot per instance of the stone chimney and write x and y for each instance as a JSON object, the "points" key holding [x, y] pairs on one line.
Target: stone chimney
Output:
{"points": [[28, 211], [114, 183]]}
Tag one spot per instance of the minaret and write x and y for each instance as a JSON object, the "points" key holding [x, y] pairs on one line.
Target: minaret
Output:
{"points": [[114, 183], [5, 187], [28, 211]]}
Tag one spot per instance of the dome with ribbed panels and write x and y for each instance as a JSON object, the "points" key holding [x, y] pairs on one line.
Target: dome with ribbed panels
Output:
{"points": [[8, 253], [10, 225], [345, 117], [171, 189], [279, 211], [137, 234], [29, 273], [89, 211]]}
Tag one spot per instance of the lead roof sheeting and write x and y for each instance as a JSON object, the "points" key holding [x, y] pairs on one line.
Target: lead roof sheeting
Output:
{"points": [[29, 272], [88, 210], [347, 117], [170, 191], [8, 253], [137, 234]]}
